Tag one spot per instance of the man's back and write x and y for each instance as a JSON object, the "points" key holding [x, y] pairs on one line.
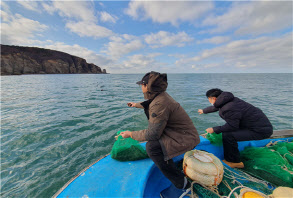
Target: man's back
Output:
{"points": [[179, 134], [250, 116]]}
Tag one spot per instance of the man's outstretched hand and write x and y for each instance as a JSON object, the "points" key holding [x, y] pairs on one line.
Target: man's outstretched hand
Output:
{"points": [[210, 130], [200, 111], [126, 134], [131, 104]]}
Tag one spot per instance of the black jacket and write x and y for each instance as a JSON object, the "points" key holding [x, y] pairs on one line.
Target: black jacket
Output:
{"points": [[239, 114]]}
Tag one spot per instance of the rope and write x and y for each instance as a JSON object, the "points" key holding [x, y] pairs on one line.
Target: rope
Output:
{"points": [[205, 134], [116, 137], [237, 178], [244, 177], [227, 185], [193, 194], [233, 191], [275, 142], [289, 153], [185, 193], [213, 189], [218, 172]]}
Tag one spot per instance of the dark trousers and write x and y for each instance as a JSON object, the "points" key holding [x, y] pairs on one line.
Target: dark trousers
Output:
{"points": [[168, 168], [230, 139]]}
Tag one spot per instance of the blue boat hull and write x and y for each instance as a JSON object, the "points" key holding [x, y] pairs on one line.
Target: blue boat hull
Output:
{"points": [[110, 178]]}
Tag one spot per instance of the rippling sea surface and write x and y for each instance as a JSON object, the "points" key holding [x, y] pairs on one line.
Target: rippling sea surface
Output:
{"points": [[53, 126]]}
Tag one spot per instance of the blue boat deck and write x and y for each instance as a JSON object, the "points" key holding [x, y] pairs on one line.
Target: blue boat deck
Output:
{"points": [[111, 178]]}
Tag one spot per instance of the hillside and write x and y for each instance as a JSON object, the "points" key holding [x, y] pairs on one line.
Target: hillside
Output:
{"points": [[17, 60]]}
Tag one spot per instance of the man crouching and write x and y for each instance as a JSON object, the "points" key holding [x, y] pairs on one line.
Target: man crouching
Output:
{"points": [[170, 131]]}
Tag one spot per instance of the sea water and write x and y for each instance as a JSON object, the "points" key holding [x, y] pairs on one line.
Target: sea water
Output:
{"points": [[53, 126]]}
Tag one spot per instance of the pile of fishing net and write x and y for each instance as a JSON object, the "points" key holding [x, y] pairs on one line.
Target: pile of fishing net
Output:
{"points": [[273, 163], [127, 149], [235, 184], [215, 138], [211, 179]]}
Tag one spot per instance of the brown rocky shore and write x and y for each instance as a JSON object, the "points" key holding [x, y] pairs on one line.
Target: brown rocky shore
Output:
{"points": [[17, 60]]}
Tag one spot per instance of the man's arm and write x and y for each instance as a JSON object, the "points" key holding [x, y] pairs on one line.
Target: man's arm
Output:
{"points": [[210, 109], [138, 105], [232, 119], [133, 104], [159, 115]]}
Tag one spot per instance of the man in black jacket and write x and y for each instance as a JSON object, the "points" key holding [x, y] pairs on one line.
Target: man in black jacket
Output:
{"points": [[243, 122]]}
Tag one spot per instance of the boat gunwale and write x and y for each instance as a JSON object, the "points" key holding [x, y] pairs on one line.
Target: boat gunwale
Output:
{"points": [[76, 176], [286, 134]]}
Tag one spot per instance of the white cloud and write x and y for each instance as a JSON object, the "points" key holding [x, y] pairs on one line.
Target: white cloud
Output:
{"points": [[178, 56], [30, 5], [106, 17], [82, 52], [81, 18], [134, 64], [256, 17], [87, 28], [101, 4], [262, 53], [121, 45], [4, 6], [6, 17], [18, 30], [139, 60], [79, 10], [139, 63], [168, 11], [49, 8], [162, 39], [215, 40]]}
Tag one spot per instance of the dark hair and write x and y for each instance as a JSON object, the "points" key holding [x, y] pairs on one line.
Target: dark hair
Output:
{"points": [[213, 93]]}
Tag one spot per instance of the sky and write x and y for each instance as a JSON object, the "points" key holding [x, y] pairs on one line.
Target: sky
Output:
{"points": [[163, 36]]}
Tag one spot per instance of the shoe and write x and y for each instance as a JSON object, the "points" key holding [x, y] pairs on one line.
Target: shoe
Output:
{"points": [[234, 165], [173, 192]]}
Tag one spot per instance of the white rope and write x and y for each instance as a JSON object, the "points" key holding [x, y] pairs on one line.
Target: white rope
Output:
{"points": [[244, 177], [235, 177], [234, 190], [185, 193]]}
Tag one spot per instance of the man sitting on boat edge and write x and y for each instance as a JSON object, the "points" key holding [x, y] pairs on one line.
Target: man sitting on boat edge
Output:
{"points": [[170, 131], [243, 122]]}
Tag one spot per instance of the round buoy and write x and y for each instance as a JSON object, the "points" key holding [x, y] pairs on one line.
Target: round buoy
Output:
{"points": [[203, 168]]}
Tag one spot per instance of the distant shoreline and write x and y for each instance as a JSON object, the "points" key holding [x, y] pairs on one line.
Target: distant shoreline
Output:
{"points": [[47, 74], [18, 60]]}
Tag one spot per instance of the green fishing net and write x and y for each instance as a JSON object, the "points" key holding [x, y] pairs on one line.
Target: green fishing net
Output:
{"points": [[127, 149], [232, 179], [273, 164], [265, 169], [215, 138]]}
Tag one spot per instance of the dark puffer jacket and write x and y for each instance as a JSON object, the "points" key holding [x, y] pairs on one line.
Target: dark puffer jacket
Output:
{"points": [[168, 121], [239, 114]]}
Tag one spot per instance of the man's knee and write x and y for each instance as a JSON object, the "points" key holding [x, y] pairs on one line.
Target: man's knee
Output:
{"points": [[153, 148], [228, 136]]}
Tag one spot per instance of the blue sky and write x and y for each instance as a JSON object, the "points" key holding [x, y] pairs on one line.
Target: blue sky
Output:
{"points": [[164, 36]]}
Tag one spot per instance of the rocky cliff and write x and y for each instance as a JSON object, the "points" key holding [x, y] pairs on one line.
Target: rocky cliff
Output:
{"points": [[16, 60]]}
